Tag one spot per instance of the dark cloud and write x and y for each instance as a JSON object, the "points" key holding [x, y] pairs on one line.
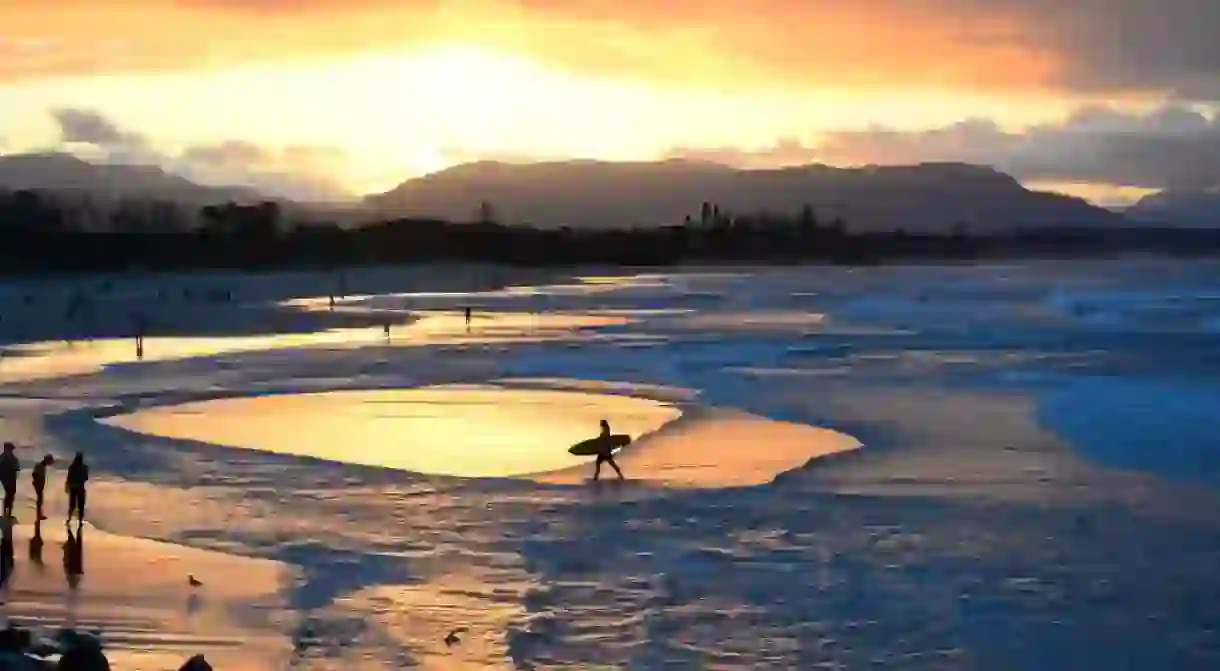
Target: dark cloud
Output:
{"points": [[81, 125], [1167, 46], [303, 171], [1171, 147]]}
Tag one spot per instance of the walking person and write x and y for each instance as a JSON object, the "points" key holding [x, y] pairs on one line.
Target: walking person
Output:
{"points": [[39, 476], [74, 484], [9, 467], [605, 453], [468, 315]]}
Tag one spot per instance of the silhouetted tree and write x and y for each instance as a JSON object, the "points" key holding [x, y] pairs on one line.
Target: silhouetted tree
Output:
{"points": [[487, 213], [49, 233]]}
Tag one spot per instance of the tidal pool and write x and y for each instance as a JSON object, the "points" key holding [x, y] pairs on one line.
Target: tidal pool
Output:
{"points": [[458, 430]]}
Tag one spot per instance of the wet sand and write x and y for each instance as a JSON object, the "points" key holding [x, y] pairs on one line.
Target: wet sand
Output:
{"points": [[135, 593]]}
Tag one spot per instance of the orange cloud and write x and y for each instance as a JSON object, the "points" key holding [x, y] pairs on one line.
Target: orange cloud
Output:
{"points": [[983, 45]]}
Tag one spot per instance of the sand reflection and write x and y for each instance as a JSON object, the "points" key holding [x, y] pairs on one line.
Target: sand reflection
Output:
{"points": [[471, 431]]}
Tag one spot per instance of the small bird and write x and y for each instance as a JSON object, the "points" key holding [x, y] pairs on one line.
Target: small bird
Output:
{"points": [[193, 581], [452, 639]]}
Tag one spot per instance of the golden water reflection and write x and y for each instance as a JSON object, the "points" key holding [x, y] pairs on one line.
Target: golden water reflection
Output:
{"points": [[48, 360], [462, 430]]}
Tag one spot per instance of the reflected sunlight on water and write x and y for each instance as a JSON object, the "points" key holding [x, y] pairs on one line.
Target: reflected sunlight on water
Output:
{"points": [[45, 360], [471, 431]]}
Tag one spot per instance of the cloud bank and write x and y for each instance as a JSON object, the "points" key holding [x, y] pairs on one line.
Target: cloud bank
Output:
{"points": [[1173, 147], [301, 172], [1088, 46]]}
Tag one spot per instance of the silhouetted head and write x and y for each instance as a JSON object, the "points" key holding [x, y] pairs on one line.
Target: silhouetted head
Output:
{"points": [[48, 460], [79, 459], [605, 426], [9, 447]]}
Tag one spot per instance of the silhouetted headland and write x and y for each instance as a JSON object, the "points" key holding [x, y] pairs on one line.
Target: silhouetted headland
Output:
{"points": [[641, 214]]}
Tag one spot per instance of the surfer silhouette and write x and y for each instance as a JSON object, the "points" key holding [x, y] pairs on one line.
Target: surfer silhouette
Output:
{"points": [[605, 453]]}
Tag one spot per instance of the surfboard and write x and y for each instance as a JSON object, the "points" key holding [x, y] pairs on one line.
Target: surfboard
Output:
{"points": [[594, 445]]}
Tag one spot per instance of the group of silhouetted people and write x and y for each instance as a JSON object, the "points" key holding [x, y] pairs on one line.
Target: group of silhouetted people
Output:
{"points": [[74, 484]]}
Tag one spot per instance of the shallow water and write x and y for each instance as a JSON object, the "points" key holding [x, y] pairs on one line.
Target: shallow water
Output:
{"points": [[459, 430], [1036, 486]]}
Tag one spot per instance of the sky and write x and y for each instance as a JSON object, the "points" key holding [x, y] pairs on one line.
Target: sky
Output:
{"points": [[1106, 99]]}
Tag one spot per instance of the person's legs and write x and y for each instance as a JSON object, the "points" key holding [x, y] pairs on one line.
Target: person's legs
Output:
{"points": [[597, 468], [72, 494], [10, 493], [38, 502], [616, 468], [80, 506]]}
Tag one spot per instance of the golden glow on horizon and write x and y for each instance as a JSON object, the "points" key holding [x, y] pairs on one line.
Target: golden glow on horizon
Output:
{"points": [[409, 113], [1106, 195], [406, 88]]}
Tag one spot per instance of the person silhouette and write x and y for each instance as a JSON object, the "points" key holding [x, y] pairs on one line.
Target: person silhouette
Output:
{"points": [[74, 484], [468, 316], [9, 467], [140, 328], [39, 478], [605, 454]]}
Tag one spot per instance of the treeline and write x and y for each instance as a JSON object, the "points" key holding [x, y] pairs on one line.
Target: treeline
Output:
{"points": [[36, 235]]}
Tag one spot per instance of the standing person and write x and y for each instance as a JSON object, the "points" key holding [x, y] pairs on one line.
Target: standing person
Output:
{"points": [[605, 454], [74, 484], [39, 476], [141, 325], [467, 318], [9, 467]]}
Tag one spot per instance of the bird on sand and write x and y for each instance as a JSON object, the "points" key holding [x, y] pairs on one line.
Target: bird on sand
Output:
{"points": [[194, 582], [452, 639]]}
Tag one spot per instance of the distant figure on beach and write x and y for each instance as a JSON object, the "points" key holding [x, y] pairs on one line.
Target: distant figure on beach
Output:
{"points": [[39, 476], [9, 467], [74, 484], [386, 327], [605, 454], [468, 312], [141, 326]]}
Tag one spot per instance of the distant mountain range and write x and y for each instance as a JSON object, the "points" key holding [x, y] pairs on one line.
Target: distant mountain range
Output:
{"points": [[920, 198], [67, 174], [1193, 209]]}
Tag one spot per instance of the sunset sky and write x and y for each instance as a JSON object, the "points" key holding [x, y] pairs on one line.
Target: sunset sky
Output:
{"points": [[1104, 98]]}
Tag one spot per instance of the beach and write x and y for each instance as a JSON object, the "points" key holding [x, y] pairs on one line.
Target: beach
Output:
{"points": [[913, 467]]}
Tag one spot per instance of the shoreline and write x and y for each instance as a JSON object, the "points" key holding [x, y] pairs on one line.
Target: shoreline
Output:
{"points": [[133, 593], [960, 484]]}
